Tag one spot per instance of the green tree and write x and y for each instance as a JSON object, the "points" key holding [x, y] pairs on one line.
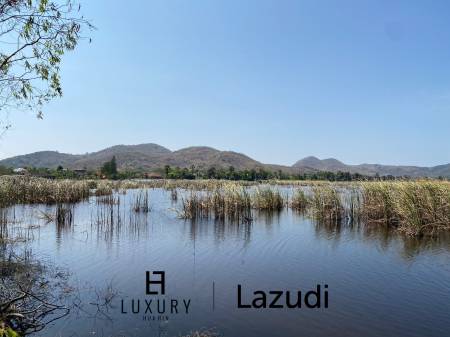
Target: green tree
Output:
{"points": [[109, 169], [167, 170], [34, 36]]}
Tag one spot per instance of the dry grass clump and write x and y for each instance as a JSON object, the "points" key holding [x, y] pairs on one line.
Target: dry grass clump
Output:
{"points": [[195, 206], [268, 199], [230, 202], [417, 208], [30, 190], [104, 188], [378, 203], [326, 204], [299, 200], [199, 184]]}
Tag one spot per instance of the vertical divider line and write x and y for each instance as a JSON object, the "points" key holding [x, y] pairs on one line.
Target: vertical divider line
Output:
{"points": [[214, 296]]}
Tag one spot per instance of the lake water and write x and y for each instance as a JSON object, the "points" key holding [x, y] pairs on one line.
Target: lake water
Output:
{"points": [[379, 283]]}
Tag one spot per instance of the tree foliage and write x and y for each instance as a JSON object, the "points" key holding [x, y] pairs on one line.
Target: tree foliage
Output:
{"points": [[109, 169], [34, 36]]}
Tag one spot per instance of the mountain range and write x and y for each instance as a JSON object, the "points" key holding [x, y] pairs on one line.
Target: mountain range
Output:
{"points": [[153, 156]]}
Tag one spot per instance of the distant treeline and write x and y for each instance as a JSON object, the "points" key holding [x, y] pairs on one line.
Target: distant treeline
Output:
{"points": [[262, 174], [109, 171]]}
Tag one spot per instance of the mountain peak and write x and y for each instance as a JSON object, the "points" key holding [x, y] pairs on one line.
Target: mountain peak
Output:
{"points": [[152, 156]]}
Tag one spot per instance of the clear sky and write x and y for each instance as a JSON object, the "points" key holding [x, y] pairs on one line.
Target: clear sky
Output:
{"points": [[361, 81]]}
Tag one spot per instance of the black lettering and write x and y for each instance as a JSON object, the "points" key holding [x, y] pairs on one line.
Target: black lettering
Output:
{"points": [[173, 306], [186, 305], [133, 309], [240, 305], [294, 305], [273, 304], [315, 294], [149, 309], [262, 300]]}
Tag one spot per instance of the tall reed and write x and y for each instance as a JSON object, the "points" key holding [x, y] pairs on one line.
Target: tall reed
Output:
{"points": [[326, 204], [416, 208], [299, 201], [19, 190], [141, 202], [268, 199]]}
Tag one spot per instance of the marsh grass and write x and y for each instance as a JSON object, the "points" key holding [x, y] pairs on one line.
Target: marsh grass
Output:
{"points": [[141, 202], [109, 200], [299, 200], [326, 204], [3, 224], [64, 216], [268, 199], [416, 208], [230, 202], [107, 217], [174, 194], [30, 190]]}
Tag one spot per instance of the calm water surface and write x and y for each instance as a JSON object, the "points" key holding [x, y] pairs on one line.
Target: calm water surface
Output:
{"points": [[380, 283]]}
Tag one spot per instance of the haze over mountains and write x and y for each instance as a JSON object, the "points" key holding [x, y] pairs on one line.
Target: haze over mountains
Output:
{"points": [[153, 156]]}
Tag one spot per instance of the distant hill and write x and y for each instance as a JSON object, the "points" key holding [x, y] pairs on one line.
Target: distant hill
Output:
{"points": [[335, 165], [154, 156], [143, 156], [50, 159]]}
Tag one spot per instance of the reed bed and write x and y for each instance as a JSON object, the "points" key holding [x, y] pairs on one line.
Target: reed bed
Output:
{"points": [[413, 207], [268, 199], [326, 204], [230, 202], [29, 190], [299, 201], [416, 208]]}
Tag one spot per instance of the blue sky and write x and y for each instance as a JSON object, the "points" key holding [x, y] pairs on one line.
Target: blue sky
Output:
{"points": [[361, 81]]}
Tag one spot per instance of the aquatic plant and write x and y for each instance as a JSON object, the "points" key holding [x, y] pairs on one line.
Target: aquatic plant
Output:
{"points": [[109, 200], [141, 202], [64, 215], [326, 203], [20, 190], [415, 207], [267, 199], [174, 194], [299, 200]]}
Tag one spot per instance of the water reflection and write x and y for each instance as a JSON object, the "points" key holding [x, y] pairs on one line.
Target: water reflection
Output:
{"points": [[109, 241]]}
